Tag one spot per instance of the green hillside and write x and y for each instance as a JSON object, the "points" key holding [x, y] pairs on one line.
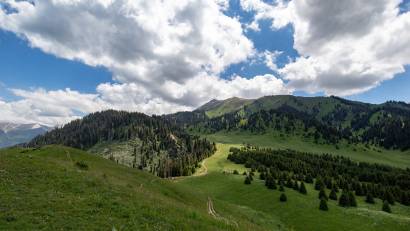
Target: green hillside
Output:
{"points": [[60, 188], [328, 120], [216, 108], [300, 212]]}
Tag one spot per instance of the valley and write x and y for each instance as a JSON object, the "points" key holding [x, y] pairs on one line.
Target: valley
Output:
{"points": [[130, 171]]}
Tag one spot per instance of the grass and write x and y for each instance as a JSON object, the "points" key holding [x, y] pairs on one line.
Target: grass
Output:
{"points": [[300, 212], [60, 188], [355, 152], [51, 189]]}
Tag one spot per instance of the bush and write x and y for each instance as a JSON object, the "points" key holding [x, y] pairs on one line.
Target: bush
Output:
{"points": [[283, 197], [235, 172], [82, 165]]}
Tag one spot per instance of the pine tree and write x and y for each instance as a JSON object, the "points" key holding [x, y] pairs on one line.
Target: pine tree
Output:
{"points": [[262, 176], [248, 180], [352, 199], [281, 188], [333, 195], [296, 186], [344, 199], [323, 205], [386, 207], [302, 188], [283, 197], [322, 194], [318, 183], [388, 196], [369, 198]]}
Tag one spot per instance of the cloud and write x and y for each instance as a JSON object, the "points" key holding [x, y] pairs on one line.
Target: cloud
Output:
{"points": [[48, 107], [61, 106], [164, 55], [138, 40], [346, 47]]}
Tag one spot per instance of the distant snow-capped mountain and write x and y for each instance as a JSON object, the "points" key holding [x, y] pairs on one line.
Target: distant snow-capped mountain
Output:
{"points": [[14, 133]]}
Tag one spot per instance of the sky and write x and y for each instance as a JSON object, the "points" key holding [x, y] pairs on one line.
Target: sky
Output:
{"points": [[60, 59]]}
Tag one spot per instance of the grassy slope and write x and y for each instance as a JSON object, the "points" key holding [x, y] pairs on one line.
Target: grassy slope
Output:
{"points": [[227, 106], [356, 152], [45, 190], [300, 212]]}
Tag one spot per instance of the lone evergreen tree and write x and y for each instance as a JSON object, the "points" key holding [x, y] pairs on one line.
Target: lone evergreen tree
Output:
{"points": [[296, 186], [322, 194], [283, 197], [333, 195], [369, 198], [247, 180], [302, 188], [386, 207], [323, 205]]}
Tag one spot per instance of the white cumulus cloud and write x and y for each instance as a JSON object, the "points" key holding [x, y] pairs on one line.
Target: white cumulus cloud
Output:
{"points": [[346, 47], [164, 55]]}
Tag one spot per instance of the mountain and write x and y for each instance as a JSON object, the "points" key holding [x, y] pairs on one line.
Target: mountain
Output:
{"points": [[216, 108], [133, 139], [13, 133], [324, 119]]}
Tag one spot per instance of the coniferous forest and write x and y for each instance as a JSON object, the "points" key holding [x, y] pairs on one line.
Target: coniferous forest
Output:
{"points": [[293, 169], [165, 149]]}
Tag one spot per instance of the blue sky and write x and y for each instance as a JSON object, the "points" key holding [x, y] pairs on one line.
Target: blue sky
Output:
{"points": [[106, 70]]}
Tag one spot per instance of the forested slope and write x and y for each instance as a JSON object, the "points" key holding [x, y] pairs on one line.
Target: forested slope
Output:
{"points": [[151, 142]]}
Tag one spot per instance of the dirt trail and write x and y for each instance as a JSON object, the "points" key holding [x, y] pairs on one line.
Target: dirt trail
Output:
{"points": [[204, 171], [213, 213]]}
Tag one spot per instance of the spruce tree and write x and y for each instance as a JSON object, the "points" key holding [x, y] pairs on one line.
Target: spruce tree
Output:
{"points": [[247, 180], [352, 199], [333, 195], [344, 199], [281, 188], [283, 197], [296, 186], [262, 176], [388, 196], [302, 188], [322, 194], [323, 205], [386, 207], [318, 183], [369, 198]]}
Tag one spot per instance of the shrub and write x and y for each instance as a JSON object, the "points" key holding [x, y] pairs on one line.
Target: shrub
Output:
{"points": [[82, 165]]}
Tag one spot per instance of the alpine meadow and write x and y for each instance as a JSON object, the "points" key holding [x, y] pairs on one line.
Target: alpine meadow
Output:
{"points": [[205, 115]]}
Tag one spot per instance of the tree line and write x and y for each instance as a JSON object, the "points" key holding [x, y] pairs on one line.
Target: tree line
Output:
{"points": [[183, 151], [327, 172]]}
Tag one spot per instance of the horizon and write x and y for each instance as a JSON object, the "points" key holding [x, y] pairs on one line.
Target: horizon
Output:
{"points": [[160, 58]]}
